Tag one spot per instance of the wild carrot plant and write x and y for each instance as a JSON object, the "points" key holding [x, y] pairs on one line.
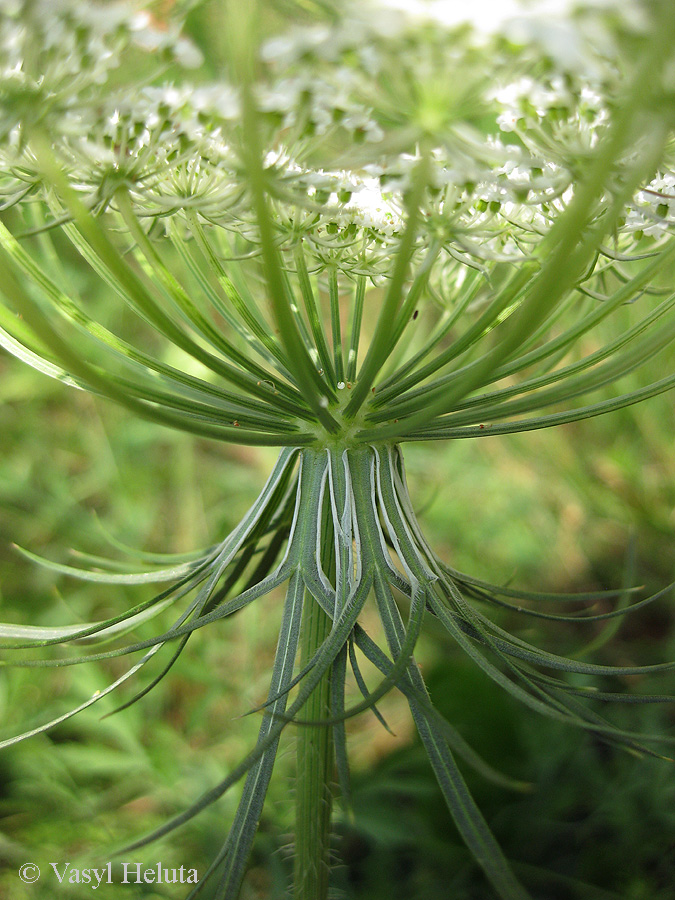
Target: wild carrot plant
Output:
{"points": [[337, 237]]}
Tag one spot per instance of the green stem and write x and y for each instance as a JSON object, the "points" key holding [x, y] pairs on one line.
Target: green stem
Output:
{"points": [[313, 801]]}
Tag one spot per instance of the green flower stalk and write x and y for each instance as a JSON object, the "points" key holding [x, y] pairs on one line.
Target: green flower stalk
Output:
{"points": [[379, 229]]}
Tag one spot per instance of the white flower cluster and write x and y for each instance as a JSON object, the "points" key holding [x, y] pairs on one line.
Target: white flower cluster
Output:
{"points": [[59, 78], [653, 212], [347, 110], [56, 56]]}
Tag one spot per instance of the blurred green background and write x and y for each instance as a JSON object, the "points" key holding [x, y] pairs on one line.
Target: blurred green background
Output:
{"points": [[550, 510]]}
